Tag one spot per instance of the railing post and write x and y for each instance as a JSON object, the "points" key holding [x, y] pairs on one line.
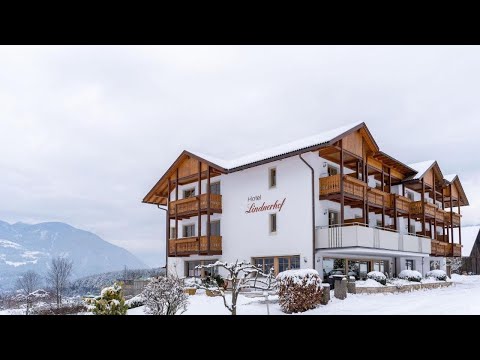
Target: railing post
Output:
{"points": [[342, 190], [208, 210]]}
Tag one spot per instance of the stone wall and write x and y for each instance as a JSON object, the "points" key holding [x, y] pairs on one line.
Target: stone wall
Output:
{"points": [[400, 289]]}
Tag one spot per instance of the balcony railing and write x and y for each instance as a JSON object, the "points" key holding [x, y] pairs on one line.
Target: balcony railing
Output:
{"points": [[440, 215], [456, 218], [442, 248], [379, 197], [402, 203], [331, 185], [416, 208], [361, 235], [195, 245], [189, 206]]}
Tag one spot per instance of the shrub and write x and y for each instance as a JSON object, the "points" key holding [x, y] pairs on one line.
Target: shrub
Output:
{"points": [[64, 309], [437, 274], [410, 275], [110, 302], [378, 277], [165, 296], [299, 290], [135, 301]]}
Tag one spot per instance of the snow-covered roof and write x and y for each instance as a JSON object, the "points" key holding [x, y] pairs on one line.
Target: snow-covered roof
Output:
{"points": [[469, 235], [300, 144], [420, 168], [450, 177]]}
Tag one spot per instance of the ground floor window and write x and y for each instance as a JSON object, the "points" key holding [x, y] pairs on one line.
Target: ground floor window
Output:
{"points": [[202, 273], [434, 265], [409, 265], [358, 268], [279, 263]]}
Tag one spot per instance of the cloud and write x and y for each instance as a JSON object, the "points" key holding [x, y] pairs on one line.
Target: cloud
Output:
{"points": [[85, 131]]}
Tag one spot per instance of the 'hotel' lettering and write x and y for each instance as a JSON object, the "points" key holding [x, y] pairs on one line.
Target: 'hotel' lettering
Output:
{"points": [[277, 205]]}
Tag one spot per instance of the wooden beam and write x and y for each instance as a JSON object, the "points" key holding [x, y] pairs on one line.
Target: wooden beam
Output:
{"points": [[176, 210], [383, 179], [424, 231], [451, 213], [199, 214], [342, 195], [167, 225], [395, 215], [208, 211]]}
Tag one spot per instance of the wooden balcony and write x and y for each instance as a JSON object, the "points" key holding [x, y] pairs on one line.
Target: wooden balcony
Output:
{"points": [[453, 250], [440, 215], [379, 198], [402, 203], [185, 208], [442, 248], [416, 208], [195, 246], [330, 185], [456, 218], [439, 248]]}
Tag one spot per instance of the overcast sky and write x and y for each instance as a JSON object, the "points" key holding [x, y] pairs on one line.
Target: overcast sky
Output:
{"points": [[86, 131]]}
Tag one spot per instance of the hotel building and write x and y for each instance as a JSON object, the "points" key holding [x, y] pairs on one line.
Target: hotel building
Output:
{"points": [[334, 202]]}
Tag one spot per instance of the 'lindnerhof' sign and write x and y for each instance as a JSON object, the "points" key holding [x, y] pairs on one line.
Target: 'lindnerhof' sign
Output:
{"points": [[277, 205]]}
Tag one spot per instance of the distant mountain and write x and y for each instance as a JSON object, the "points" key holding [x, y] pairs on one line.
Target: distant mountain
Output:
{"points": [[24, 247]]}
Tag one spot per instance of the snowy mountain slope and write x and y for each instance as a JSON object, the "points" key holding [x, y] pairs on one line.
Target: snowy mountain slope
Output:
{"points": [[24, 247]]}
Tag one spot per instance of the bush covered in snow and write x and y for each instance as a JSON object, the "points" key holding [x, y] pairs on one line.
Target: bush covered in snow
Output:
{"points": [[299, 290], [110, 302], [410, 275], [437, 274], [135, 301], [377, 276], [165, 296]]}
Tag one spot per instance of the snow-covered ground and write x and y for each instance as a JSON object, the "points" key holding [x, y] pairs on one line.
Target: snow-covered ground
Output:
{"points": [[461, 298]]}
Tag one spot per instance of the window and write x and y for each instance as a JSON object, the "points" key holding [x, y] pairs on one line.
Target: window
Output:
{"points": [[215, 188], [191, 271], [189, 230], [172, 232], [332, 170], [412, 230], [265, 264], [332, 217], [410, 195], [188, 193], [283, 263], [215, 228], [409, 265], [434, 265], [273, 223], [279, 263], [272, 177], [379, 223]]}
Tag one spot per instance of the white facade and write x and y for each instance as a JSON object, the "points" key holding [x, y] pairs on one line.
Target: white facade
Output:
{"points": [[246, 236]]}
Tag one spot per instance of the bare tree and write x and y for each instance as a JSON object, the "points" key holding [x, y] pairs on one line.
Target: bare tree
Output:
{"points": [[241, 275], [58, 274], [27, 283], [455, 264]]}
